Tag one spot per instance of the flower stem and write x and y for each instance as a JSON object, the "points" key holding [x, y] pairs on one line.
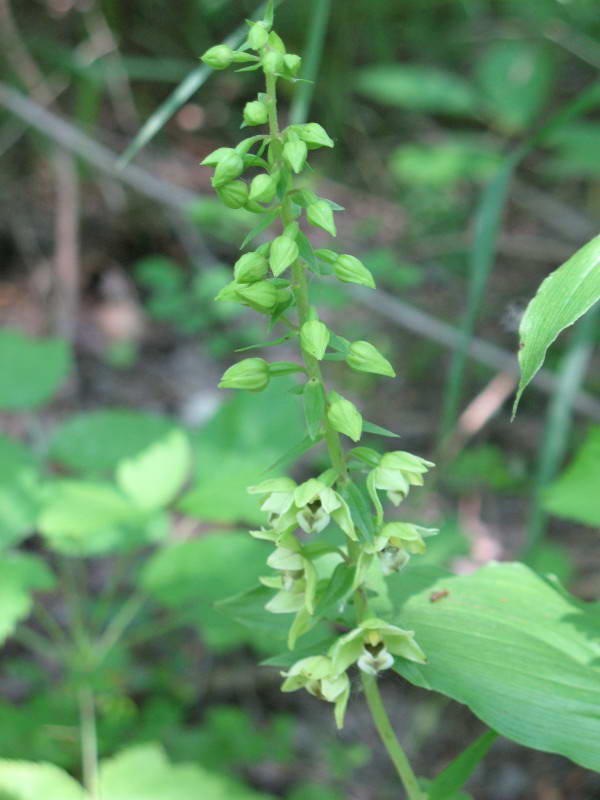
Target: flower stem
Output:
{"points": [[301, 295], [388, 737], [89, 740]]}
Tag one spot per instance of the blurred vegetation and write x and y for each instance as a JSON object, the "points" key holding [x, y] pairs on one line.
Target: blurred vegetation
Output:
{"points": [[111, 347]]}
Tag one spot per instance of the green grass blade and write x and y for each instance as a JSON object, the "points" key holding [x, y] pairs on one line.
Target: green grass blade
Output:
{"points": [[487, 227], [459, 771], [555, 436], [312, 58], [181, 95]]}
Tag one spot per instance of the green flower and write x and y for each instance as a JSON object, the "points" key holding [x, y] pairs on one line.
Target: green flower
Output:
{"points": [[396, 473], [251, 374], [364, 357], [317, 676], [373, 645]]}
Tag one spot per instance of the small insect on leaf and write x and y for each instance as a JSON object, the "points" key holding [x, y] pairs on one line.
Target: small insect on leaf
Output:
{"points": [[436, 596]]}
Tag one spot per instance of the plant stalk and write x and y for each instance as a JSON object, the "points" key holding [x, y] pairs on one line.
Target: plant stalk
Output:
{"points": [[389, 739], [300, 289], [89, 741]]}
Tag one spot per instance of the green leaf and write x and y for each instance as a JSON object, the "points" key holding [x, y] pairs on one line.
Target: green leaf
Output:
{"points": [[561, 299], [417, 88], [153, 478], [20, 575], [267, 219], [96, 441], [516, 79], [360, 510], [32, 369], [19, 492], [241, 442], [377, 430], [314, 407], [512, 648], [144, 773], [86, 519], [26, 780], [574, 494], [337, 589], [456, 774], [195, 574]]}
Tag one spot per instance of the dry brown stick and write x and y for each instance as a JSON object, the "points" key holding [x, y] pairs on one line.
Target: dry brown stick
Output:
{"points": [[66, 246]]}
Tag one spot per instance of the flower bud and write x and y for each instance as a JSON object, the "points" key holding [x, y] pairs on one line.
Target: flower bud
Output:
{"points": [[234, 194], [218, 57], [251, 374], [364, 357], [314, 338], [212, 159], [321, 215], [258, 35], [349, 269], [328, 256], [294, 153], [344, 416], [251, 267], [292, 63], [229, 293], [262, 296], [256, 113], [230, 167], [284, 251], [273, 62], [276, 43], [314, 135], [263, 187]]}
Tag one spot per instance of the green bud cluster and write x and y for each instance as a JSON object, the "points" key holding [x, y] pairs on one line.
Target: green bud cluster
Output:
{"points": [[344, 501]]}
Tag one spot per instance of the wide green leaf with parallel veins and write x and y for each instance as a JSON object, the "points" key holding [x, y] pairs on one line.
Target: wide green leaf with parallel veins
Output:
{"points": [[562, 298], [512, 648]]}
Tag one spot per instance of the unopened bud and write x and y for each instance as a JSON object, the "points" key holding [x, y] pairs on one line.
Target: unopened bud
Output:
{"points": [[321, 215], [294, 153], [364, 357], [251, 267], [234, 194], [255, 113], [218, 57], [314, 338], [262, 296], [212, 159], [230, 167], [344, 416], [251, 374], [276, 42], [284, 251], [258, 35], [292, 63], [349, 269], [273, 62], [263, 187]]}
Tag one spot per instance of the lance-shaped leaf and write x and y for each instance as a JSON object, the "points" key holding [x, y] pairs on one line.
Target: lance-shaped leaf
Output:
{"points": [[562, 298]]}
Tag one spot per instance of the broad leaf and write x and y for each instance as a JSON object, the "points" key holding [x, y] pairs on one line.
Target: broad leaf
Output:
{"points": [[31, 370], [417, 88], [86, 519], [574, 494], [144, 773], [561, 299], [516, 79], [96, 441], [20, 575], [244, 438], [19, 492], [153, 478], [26, 780], [512, 648], [192, 576]]}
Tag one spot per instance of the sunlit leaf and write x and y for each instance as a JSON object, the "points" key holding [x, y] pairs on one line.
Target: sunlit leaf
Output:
{"points": [[31, 370], [561, 299], [20, 575]]}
